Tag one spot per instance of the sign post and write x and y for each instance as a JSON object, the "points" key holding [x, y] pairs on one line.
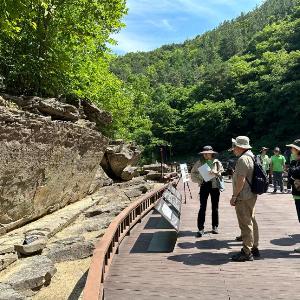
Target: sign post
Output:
{"points": [[185, 178]]}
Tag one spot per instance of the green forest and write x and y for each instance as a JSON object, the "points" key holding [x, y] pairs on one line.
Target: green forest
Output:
{"points": [[242, 78]]}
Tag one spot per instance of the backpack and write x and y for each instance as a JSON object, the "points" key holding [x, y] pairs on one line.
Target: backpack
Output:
{"points": [[260, 181]]}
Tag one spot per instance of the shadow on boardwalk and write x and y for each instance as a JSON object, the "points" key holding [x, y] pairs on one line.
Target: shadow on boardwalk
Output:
{"points": [[214, 258], [291, 240]]}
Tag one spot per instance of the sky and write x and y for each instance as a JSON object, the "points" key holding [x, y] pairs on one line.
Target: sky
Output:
{"points": [[153, 23]]}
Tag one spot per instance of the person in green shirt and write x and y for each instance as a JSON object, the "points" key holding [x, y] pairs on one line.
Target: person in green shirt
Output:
{"points": [[277, 168], [294, 176]]}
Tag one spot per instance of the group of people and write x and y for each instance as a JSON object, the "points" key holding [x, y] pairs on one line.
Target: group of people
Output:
{"points": [[275, 166], [243, 197]]}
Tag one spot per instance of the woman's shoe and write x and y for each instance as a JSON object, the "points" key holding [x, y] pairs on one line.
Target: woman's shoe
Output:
{"points": [[200, 233], [215, 230], [297, 250]]}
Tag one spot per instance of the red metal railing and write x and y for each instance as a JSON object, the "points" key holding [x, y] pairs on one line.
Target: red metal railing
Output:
{"points": [[108, 246]]}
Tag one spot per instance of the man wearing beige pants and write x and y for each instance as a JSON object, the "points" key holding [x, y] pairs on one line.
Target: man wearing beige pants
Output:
{"points": [[244, 200]]}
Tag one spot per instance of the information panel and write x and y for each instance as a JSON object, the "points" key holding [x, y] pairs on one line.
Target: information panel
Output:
{"points": [[168, 213], [184, 173], [173, 200], [175, 192]]}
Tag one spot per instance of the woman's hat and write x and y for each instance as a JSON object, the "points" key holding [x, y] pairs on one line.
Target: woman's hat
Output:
{"points": [[264, 149], [207, 150], [242, 142], [295, 144]]}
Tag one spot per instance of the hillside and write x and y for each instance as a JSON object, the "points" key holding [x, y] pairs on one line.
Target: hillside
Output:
{"points": [[240, 78]]}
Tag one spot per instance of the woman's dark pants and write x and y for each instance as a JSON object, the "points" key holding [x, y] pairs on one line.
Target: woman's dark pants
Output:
{"points": [[206, 190], [297, 202]]}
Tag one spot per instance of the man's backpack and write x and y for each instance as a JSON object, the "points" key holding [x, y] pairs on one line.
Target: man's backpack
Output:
{"points": [[260, 182]]}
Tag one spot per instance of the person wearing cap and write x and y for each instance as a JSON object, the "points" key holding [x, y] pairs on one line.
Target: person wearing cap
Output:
{"points": [[244, 200], [294, 176], [277, 168], [208, 188], [264, 159]]}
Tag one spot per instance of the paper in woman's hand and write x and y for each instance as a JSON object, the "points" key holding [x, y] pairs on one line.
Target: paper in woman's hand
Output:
{"points": [[205, 172]]}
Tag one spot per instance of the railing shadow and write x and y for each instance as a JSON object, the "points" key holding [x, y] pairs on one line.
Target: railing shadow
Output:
{"points": [[78, 288]]}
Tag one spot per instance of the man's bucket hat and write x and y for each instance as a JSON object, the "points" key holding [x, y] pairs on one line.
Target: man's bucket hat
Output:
{"points": [[241, 142]]}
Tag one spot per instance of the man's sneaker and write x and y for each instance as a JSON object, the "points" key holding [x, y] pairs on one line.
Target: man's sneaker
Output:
{"points": [[255, 252], [274, 192], [297, 250], [242, 256], [239, 238], [200, 233], [281, 191], [215, 230]]}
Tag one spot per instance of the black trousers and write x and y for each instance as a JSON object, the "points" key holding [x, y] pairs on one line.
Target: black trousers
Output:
{"points": [[297, 203], [206, 190]]}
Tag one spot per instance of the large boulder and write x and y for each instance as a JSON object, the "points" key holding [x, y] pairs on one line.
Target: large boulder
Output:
{"points": [[117, 157], [31, 274], [46, 106], [73, 248], [129, 172], [94, 114], [34, 243], [45, 165], [82, 112], [156, 168]]}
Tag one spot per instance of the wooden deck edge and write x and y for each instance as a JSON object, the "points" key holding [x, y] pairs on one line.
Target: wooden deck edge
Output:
{"points": [[109, 244]]}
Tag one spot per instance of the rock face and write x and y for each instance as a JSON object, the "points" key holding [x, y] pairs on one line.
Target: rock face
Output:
{"points": [[7, 259], [45, 164], [8, 293], [119, 159], [100, 180], [83, 113]]}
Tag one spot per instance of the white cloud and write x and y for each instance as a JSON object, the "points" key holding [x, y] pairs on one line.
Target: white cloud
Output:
{"points": [[145, 7], [129, 42], [195, 7], [164, 24], [151, 23]]}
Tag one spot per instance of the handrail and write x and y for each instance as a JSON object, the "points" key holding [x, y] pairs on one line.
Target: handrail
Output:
{"points": [[109, 244]]}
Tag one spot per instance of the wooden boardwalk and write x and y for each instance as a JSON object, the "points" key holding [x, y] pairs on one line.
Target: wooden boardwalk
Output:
{"points": [[200, 268]]}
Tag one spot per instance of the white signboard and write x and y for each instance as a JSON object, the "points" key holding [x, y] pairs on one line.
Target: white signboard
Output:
{"points": [[169, 214], [184, 172], [175, 192], [173, 200]]}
